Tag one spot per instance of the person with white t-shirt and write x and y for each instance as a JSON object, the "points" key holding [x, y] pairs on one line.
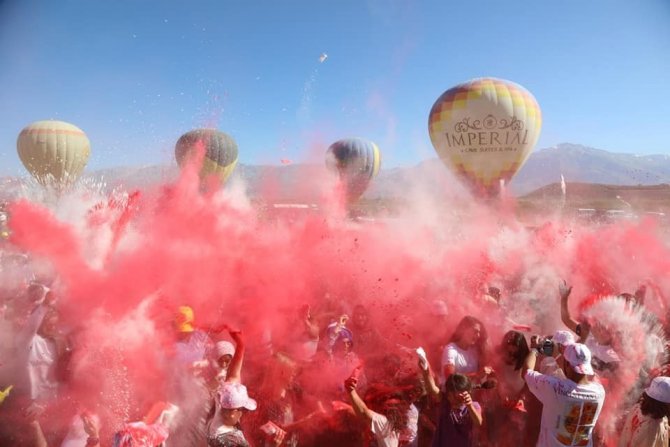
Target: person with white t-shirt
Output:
{"points": [[465, 353], [549, 364], [231, 402], [39, 346], [593, 334], [388, 423], [571, 406], [647, 423]]}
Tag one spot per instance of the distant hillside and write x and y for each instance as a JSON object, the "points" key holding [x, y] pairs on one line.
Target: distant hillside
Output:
{"points": [[635, 199], [588, 165], [578, 164]]}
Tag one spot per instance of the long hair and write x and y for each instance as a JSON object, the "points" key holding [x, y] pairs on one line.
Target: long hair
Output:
{"points": [[516, 338], [397, 416], [466, 323], [653, 408], [378, 393]]}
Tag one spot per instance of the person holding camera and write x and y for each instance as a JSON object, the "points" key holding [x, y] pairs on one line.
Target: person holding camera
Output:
{"points": [[571, 406], [553, 348]]}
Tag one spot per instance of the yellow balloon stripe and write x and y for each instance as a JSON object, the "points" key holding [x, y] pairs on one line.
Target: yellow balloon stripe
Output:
{"points": [[519, 98], [210, 167], [377, 157]]}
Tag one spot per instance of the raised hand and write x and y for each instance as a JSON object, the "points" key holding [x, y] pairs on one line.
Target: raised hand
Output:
{"points": [[564, 289]]}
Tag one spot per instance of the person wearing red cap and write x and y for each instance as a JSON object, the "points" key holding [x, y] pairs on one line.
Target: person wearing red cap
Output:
{"points": [[571, 406]]}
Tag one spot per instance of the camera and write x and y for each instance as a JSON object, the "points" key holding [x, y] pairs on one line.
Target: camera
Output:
{"points": [[545, 345]]}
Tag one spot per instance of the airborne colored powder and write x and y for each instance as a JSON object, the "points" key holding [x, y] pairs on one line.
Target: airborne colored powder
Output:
{"points": [[125, 263]]}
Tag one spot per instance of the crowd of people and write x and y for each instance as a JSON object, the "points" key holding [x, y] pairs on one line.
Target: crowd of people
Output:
{"points": [[331, 377]]}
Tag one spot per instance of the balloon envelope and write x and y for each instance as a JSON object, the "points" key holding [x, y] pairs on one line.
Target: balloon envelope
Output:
{"points": [[53, 151], [484, 130], [357, 161], [220, 152]]}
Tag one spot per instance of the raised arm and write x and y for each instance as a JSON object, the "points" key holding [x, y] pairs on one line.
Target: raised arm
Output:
{"points": [[38, 434], [311, 326], [92, 429], [530, 362], [235, 368], [429, 381], [580, 329], [33, 413], [28, 331], [359, 406]]}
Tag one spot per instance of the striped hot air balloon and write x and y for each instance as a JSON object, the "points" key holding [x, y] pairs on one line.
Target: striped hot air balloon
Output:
{"points": [[484, 130], [54, 152], [357, 161], [220, 152]]}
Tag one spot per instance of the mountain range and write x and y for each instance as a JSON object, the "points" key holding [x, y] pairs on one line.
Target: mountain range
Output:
{"points": [[577, 164]]}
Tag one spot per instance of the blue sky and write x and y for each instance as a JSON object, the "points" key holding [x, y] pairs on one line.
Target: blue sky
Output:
{"points": [[136, 74]]}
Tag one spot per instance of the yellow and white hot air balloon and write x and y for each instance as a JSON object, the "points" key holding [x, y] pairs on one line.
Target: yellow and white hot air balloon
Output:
{"points": [[54, 152], [220, 149], [484, 130]]}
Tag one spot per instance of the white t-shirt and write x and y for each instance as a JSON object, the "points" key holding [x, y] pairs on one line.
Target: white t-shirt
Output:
{"points": [[569, 412], [42, 357], [383, 431], [601, 353], [550, 367], [76, 435], [197, 346], [465, 361], [409, 435], [641, 430]]}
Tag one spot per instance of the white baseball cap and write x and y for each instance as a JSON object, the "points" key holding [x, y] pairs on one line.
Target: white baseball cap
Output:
{"points": [[579, 357], [224, 347], [564, 338], [659, 389], [233, 395]]}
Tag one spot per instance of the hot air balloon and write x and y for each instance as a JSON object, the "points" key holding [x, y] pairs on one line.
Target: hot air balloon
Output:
{"points": [[484, 130], [357, 161], [220, 152], [54, 152]]}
